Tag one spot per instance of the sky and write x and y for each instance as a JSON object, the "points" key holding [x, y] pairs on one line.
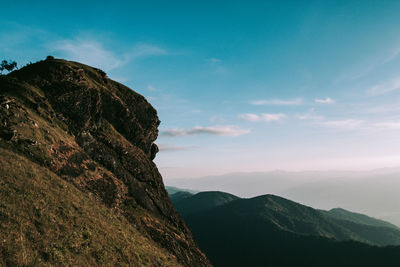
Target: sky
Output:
{"points": [[239, 86]]}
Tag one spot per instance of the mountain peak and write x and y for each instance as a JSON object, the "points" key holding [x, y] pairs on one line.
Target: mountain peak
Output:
{"points": [[98, 135]]}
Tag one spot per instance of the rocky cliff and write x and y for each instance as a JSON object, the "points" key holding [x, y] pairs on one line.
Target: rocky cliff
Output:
{"points": [[70, 121]]}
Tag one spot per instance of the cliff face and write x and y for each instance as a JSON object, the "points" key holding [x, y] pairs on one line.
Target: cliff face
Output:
{"points": [[98, 135]]}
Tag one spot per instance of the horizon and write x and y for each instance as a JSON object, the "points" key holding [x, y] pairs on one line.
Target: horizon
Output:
{"points": [[246, 88], [330, 171]]}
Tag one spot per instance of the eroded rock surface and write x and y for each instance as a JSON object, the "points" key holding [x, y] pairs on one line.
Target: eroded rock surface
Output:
{"points": [[98, 135]]}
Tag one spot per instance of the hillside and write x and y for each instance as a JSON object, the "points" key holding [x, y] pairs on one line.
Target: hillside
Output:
{"points": [[200, 201], [282, 227], [342, 214], [77, 154], [178, 196]]}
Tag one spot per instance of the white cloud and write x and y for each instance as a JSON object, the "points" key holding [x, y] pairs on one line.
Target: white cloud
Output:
{"points": [[383, 108], [92, 52], [89, 52], [145, 50], [309, 116], [266, 117], [346, 124], [249, 117], [388, 125], [278, 102], [272, 117], [327, 100], [227, 130], [386, 87], [169, 148]]}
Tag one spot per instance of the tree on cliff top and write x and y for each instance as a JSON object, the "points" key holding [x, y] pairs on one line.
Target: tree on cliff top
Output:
{"points": [[8, 66]]}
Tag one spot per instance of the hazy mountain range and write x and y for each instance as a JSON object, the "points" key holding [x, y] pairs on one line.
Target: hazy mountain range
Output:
{"points": [[260, 231], [370, 192]]}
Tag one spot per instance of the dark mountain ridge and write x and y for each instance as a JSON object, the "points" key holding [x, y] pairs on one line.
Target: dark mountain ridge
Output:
{"points": [[241, 232], [187, 204]]}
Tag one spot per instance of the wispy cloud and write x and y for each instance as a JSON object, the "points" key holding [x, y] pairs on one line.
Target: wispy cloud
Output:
{"points": [[151, 88], [327, 100], [385, 87], [346, 124], [169, 148], [92, 52], [383, 108], [227, 130], [217, 119], [278, 102], [214, 60], [310, 115], [388, 125], [368, 67], [265, 117]]}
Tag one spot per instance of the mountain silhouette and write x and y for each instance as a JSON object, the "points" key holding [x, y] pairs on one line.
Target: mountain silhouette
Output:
{"points": [[272, 231]]}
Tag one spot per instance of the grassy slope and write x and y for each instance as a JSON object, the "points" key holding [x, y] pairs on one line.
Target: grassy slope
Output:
{"points": [[47, 221]]}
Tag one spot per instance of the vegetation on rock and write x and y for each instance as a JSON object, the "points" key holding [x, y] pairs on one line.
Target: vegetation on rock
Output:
{"points": [[68, 122]]}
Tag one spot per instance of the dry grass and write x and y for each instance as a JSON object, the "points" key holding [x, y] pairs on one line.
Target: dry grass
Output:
{"points": [[45, 221]]}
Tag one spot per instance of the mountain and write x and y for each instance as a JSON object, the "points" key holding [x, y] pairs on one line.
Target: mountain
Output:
{"points": [[370, 192], [342, 214], [79, 185], [201, 201], [272, 231], [178, 196], [373, 193], [172, 190]]}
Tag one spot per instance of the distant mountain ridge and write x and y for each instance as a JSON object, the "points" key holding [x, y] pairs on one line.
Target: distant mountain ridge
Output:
{"points": [[370, 192], [270, 220], [201, 201], [342, 214]]}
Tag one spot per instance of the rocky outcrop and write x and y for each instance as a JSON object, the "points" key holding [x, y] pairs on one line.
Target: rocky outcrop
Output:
{"points": [[98, 135]]}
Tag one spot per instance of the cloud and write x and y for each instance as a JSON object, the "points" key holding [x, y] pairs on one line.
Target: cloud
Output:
{"points": [[346, 124], [388, 125], [327, 100], [278, 102], [368, 67], [92, 52], [227, 130], [214, 60], [145, 50], [309, 116], [89, 52], [265, 117], [217, 119], [384, 88], [169, 148], [151, 88]]}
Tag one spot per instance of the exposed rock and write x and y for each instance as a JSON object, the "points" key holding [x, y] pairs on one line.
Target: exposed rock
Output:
{"points": [[98, 135]]}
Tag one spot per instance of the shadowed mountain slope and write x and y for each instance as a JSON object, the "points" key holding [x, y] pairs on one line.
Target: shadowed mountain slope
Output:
{"points": [[201, 201], [273, 231]]}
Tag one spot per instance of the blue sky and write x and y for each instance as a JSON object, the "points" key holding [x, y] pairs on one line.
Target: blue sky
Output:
{"points": [[238, 85]]}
